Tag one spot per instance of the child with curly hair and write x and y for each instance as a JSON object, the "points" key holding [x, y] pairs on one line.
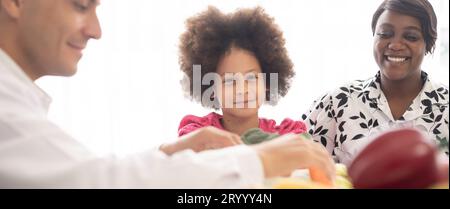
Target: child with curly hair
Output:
{"points": [[243, 49]]}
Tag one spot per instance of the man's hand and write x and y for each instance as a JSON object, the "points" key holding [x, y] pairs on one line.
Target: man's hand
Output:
{"points": [[289, 152], [203, 139]]}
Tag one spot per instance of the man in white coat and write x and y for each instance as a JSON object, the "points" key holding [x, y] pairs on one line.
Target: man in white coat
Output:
{"points": [[47, 37]]}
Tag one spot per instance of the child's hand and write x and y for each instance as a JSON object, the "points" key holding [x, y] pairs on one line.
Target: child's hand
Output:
{"points": [[206, 138], [289, 152]]}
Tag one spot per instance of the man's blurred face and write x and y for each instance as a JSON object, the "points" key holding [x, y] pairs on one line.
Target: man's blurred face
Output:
{"points": [[53, 34]]}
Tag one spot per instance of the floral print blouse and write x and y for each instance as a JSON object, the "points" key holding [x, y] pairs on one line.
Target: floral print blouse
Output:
{"points": [[345, 119]]}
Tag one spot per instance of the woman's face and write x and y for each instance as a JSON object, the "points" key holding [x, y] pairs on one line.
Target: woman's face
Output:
{"points": [[243, 86], [399, 46]]}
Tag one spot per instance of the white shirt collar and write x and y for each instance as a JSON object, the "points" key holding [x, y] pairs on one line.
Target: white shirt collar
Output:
{"points": [[13, 69]]}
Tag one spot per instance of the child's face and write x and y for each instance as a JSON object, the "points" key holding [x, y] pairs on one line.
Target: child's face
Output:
{"points": [[243, 85]]}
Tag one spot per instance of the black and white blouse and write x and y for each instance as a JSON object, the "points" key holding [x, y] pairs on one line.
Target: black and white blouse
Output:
{"points": [[344, 119]]}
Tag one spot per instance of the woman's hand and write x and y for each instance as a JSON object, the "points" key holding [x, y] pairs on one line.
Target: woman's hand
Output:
{"points": [[206, 138]]}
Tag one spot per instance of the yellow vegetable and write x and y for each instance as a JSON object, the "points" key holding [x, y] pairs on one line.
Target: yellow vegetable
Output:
{"points": [[304, 182], [341, 170], [440, 186], [342, 183], [293, 183]]}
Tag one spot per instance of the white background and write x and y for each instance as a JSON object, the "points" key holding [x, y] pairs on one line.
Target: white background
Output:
{"points": [[127, 97]]}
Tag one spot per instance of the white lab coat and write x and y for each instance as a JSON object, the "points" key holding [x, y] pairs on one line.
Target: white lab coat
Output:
{"points": [[36, 153]]}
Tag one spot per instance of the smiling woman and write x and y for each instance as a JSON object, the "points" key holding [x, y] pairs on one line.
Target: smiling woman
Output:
{"points": [[126, 95], [400, 95], [399, 51]]}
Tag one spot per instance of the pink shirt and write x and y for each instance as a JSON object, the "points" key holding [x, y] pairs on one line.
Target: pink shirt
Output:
{"points": [[191, 123]]}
